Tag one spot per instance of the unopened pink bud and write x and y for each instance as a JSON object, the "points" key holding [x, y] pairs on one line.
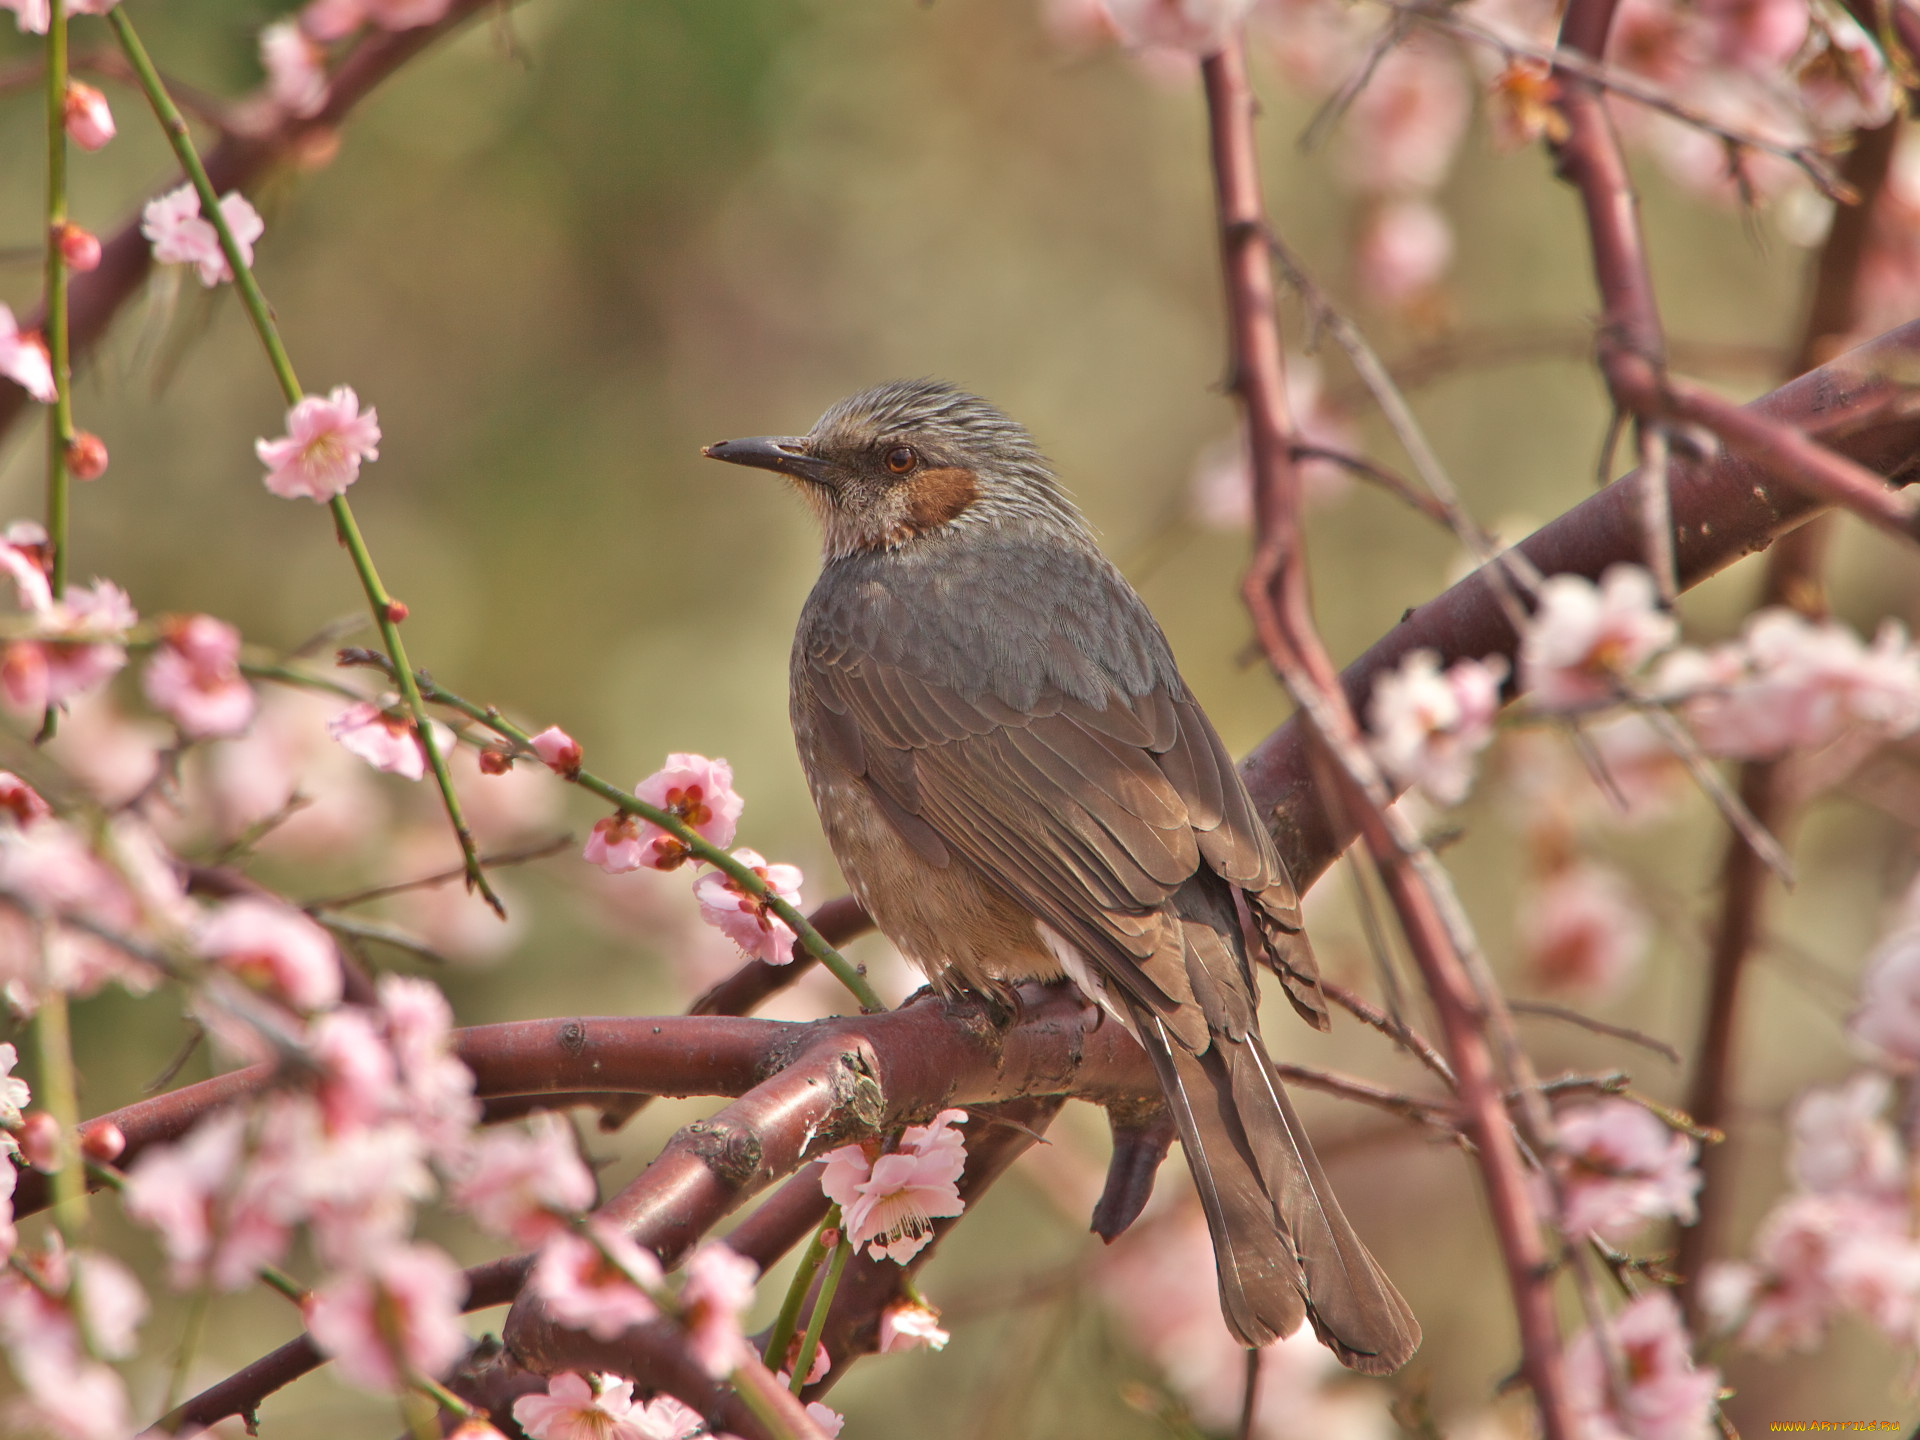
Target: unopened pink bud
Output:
{"points": [[86, 456], [559, 751], [89, 118], [79, 248], [40, 1141], [105, 1142], [397, 611]]}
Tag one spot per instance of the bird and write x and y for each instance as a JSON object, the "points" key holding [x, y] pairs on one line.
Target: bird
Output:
{"points": [[1020, 787]]}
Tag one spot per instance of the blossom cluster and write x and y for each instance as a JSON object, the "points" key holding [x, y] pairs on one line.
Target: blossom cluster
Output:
{"points": [[1780, 71], [699, 793], [1842, 1240]]}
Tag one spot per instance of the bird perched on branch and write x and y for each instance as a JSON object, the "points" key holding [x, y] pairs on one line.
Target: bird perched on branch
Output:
{"points": [[1019, 785]]}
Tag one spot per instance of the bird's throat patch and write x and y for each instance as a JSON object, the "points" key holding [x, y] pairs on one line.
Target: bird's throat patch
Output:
{"points": [[936, 496]]}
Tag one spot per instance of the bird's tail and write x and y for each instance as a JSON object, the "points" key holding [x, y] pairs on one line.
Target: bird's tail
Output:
{"points": [[1284, 1249]]}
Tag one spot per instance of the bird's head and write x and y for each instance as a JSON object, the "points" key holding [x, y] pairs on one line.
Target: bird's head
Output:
{"points": [[909, 459]]}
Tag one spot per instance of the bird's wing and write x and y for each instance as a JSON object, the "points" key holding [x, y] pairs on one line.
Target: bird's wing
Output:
{"points": [[1091, 816]]}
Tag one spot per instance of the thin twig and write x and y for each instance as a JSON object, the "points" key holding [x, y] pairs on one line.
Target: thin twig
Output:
{"points": [[1586, 67], [1599, 1027], [385, 614]]}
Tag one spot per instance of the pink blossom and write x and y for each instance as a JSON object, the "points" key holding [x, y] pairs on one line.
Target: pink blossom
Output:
{"points": [[9, 1236], [39, 1295], [25, 554], [358, 1078], [1792, 683], [1807, 1248], [398, 1316], [522, 1184], [194, 677], [180, 235], [1404, 247], [829, 1421], [15, 1095], [719, 1288], [296, 68], [336, 19], [588, 1282], [1401, 134], [665, 1418], [889, 1202], [20, 802], [1844, 83], [1583, 929], [275, 947], [320, 454], [745, 919], [1428, 727], [1198, 27], [614, 844], [438, 1087], [1585, 640], [574, 1409], [1756, 35], [74, 1399], [559, 752], [905, 1325], [24, 360], [1620, 1168], [384, 739], [1888, 1018], [699, 793], [213, 1218], [1667, 1397], [31, 16], [89, 121], [79, 651], [1840, 1141]]}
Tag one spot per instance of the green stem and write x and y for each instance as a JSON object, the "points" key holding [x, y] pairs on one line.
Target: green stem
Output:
{"points": [[842, 969], [810, 1345], [443, 1397], [58, 1093], [191, 1331], [381, 603], [762, 1406], [789, 1316], [59, 359], [274, 1278], [60, 421]]}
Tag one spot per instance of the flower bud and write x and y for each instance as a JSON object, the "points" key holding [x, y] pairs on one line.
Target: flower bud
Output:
{"points": [[79, 248], [86, 456], [40, 1141], [495, 761], [105, 1142], [88, 117]]}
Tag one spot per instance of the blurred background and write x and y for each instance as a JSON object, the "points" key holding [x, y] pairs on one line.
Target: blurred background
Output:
{"points": [[566, 248]]}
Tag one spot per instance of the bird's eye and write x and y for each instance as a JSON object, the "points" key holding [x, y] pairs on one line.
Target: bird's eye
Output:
{"points": [[901, 459]]}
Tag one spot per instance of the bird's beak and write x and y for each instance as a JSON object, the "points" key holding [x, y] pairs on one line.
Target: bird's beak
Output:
{"points": [[789, 454]]}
